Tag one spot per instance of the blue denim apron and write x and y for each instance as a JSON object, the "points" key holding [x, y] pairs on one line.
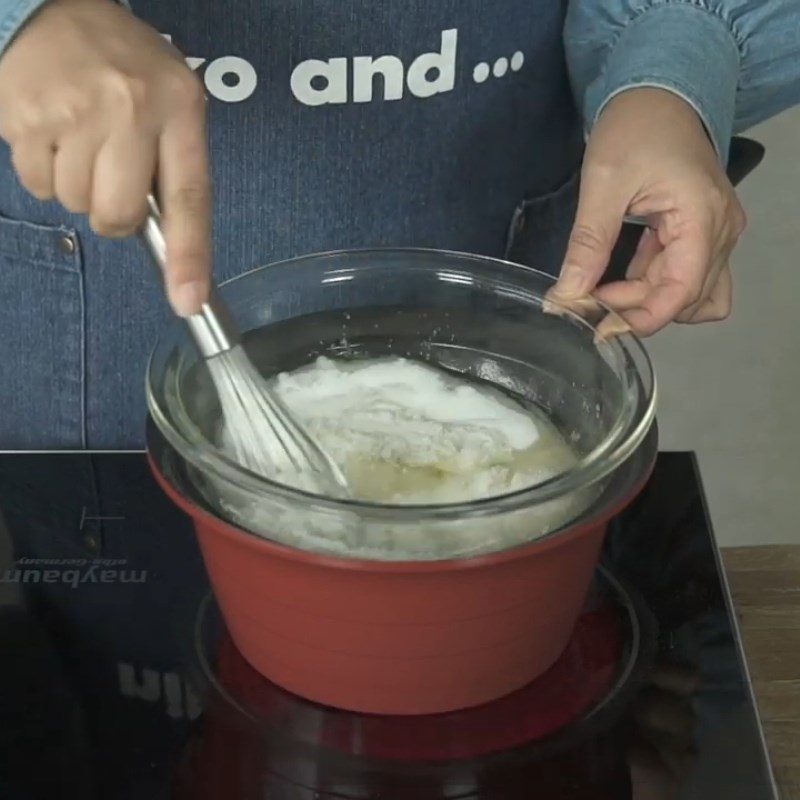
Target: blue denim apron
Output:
{"points": [[353, 123], [332, 124]]}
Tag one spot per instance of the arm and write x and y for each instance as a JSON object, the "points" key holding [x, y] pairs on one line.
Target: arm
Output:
{"points": [[656, 80], [13, 15], [95, 105], [736, 62]]}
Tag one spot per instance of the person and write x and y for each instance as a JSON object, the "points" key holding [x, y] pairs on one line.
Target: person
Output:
{"points": [[456, 124], [351, 124]]}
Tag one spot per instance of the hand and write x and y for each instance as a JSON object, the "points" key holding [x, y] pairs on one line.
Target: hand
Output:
{"points": [[649, 156], [93, 103]]}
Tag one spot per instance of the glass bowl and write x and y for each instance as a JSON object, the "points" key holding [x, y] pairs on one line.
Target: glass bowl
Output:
{"points": [[482, 317]]}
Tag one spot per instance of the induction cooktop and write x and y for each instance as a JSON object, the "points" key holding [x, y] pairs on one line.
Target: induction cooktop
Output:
{"points": [[118, 678]]}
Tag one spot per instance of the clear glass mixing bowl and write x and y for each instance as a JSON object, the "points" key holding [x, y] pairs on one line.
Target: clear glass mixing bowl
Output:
{"points": [[482, 317]]}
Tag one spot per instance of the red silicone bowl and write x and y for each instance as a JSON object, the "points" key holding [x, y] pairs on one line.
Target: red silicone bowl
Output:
{"points": [[490, 590], [400, 637]]}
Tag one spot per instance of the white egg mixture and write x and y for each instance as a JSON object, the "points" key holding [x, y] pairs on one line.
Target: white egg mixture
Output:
{"points": [[407, 433]]}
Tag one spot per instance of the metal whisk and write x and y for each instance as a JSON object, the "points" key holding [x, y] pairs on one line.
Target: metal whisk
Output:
{"points": [[261, 433]]}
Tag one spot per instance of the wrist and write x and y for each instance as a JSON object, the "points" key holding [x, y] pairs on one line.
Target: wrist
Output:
{"points": [[658, 106], [684, 48], [19, 14]]}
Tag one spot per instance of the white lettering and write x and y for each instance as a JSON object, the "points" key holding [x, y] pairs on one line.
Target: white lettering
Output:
{"points": [[317, 82], [365, 68], [443, 63], [149, 689], [334, 74], [243, 71], [132, 576], [71, 576], [179, 698], [173, 695], [90, 576], [194, 708]]}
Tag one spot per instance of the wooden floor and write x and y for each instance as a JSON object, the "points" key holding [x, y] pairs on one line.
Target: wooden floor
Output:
{"points": [[765, 582]]}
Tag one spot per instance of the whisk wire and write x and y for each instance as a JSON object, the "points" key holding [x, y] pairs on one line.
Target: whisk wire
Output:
{"points": [[261, 433]]}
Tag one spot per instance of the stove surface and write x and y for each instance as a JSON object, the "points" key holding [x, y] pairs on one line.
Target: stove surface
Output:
{"points": [[118, 680]]}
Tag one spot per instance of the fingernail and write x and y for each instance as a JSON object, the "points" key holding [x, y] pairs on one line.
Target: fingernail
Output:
{"points": [[571, 282], [550, 307], [609, 327], [186, 298]]}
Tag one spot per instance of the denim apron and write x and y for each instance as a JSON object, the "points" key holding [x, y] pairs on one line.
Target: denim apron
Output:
{"points": [[332, 124], [354, 123]]}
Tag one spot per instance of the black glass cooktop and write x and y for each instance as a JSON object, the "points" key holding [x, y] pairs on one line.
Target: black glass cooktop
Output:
{"points": [[118, 679]]}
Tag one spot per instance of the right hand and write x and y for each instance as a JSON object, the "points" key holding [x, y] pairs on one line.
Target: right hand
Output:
{"points": [[95, 106]]}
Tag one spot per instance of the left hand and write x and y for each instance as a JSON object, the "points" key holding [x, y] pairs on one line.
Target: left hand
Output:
{"points": [[649, 156]]}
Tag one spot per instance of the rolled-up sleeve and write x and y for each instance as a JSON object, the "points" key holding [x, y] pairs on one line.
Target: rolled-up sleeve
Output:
{"points": [[13, 15], [736, 62]]}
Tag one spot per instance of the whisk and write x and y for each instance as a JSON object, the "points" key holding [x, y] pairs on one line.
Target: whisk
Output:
{"points": [[261, 433]]}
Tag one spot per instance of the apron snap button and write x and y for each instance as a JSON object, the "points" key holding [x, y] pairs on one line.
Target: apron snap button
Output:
{"points": [[66, 244]]}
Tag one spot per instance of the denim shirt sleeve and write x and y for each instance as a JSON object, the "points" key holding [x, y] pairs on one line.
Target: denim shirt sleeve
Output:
{"points": [[13, 15], [737, 62]]}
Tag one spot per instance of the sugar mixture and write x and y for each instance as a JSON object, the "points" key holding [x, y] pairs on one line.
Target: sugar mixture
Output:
{"points": [[405, 432], [408, 433]]}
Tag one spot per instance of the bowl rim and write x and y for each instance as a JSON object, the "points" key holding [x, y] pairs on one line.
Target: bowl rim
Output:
{"points": [[639, 467], [592, 468]]}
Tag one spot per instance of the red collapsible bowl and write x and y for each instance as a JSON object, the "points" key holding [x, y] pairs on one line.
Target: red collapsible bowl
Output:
{"points": [[454, 625], [412, 637]]}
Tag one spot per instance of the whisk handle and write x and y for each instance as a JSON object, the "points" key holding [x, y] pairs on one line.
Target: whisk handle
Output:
{"points": [[212, 328]]}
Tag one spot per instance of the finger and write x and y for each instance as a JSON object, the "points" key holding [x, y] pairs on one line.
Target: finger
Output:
{"points": [[658, 309], [22, 120], [601, 208], [624, 295], [677, 276], [73, 169], [584, 307], [33, 160], [587, 308], [724, 250], [688, 313], [720, 263], [631, 300], [647, 249], [631, 293], [719, 304], [610, 326], [185, 193], [123, 176]]}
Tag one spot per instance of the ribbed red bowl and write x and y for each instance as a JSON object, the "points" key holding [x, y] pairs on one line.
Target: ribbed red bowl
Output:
{"points": [[409, 637]]}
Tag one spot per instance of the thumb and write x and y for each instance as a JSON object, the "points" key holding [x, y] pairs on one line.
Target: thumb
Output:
{"points": [[185, 186], [601, 209]]}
